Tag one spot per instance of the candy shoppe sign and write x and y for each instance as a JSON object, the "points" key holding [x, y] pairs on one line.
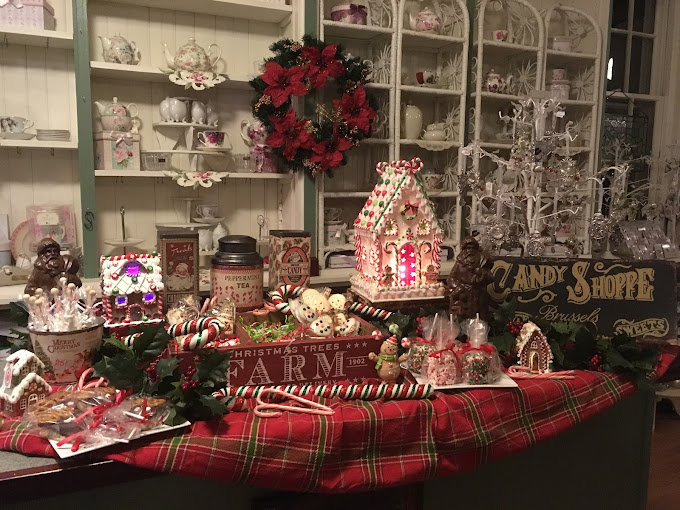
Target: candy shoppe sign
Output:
{"points": [[636, 298]]}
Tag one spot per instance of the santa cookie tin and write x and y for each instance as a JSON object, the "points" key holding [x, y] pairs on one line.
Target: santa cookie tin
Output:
{"points": [[179, 255]]}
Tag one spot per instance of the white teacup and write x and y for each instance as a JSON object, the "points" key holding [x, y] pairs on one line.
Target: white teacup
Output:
{"points": [[206, 211], [214, 139], [14, 124]]}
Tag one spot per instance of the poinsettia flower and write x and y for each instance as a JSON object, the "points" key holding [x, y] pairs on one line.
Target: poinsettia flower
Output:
{"points": [[355, 110], [289, 133], [322, 64], [283, 82], [328, 154]]}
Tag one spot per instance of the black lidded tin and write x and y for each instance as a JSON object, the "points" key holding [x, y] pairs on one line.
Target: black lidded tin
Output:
{"points": [[237, 272]]}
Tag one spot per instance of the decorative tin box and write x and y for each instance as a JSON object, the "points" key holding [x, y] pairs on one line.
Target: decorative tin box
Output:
{"points": [[37, 14], [179, 255], [289, 254], [116, 150]]}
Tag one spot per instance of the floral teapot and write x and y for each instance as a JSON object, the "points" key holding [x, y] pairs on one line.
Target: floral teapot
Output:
{"points": [[118, 50], [253, 133], [495, 83], [425, 21], [116, 116], [192, 57]]}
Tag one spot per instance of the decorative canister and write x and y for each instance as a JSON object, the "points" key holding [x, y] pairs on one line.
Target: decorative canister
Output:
{"points": [[179, 256], [66, 354], [289, 254], [355, 14], [237, 271], [559, 90], [335, 233]]}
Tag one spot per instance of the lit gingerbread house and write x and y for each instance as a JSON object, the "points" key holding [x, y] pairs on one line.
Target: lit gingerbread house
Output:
{"points": [[533, 349], [23, 383], [132, 289], [397, 238]]}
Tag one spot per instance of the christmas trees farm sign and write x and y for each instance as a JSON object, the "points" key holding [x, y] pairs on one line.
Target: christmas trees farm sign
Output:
{"points": [[633, 297]]}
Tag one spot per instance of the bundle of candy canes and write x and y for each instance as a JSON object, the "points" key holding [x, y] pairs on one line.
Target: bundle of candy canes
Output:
{"points": [[212, 326], [63, 309]]}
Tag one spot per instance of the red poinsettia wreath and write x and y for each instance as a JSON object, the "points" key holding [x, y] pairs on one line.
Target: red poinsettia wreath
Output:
{"points": [[296, 70]]}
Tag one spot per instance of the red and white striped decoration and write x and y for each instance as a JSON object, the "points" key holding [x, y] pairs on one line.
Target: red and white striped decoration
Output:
{"points": [[369, 311], [279, 297], [342, 391], [199, 332]]}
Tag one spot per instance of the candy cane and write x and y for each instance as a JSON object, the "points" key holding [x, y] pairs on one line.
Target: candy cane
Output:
{"points": [[369, 311], [199, 332], [345, 392], [129, 340], [518, 372], [280, 297]]}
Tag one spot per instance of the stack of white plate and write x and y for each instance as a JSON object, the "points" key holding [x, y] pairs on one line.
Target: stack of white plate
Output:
{"points": [[54, 135]]}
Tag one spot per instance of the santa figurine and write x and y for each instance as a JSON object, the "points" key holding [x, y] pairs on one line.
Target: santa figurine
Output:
{"points": [[387, 362]]}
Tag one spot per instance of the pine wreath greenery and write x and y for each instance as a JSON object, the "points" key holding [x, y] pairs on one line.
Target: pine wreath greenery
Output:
{"points": [[296, 70]]}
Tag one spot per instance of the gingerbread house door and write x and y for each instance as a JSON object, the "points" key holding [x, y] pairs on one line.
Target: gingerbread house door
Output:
{"points": [[407, 265], [32, 398], [136, 313], [533, 361]]}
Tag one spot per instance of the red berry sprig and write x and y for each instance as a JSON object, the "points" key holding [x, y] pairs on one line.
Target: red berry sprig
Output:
{"points": [[515, 327], [189, 383], [151, 372], [597, 363]]}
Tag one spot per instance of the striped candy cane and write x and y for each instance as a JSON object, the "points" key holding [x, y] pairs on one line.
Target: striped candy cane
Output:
{"points": [[369, 311], [280, 297], [199, 332], [345, 392]]}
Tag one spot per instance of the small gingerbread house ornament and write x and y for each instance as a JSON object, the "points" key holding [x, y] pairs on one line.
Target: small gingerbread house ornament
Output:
{"points": [[533, 349], [22, 384], [397, 238], [132, 289]]}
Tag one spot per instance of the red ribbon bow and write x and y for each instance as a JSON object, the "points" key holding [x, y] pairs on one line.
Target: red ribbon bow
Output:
{"points": [[487, 348], [357, 9], [408, 206]]}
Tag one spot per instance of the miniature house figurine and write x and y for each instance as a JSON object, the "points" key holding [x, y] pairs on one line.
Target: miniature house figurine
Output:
{"points": [[533, 349], [22, 383], [397, 237], [132, 289]]}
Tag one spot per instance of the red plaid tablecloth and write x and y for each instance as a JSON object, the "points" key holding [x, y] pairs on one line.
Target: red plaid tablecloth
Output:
{"points": [[366, 445]]}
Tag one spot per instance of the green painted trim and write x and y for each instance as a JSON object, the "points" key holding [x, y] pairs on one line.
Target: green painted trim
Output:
{"points": [[309, 191], [81, 58], [472, 14]]}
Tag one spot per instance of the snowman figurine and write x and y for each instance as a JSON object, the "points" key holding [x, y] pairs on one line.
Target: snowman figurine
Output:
{"points": [[387, 362]]}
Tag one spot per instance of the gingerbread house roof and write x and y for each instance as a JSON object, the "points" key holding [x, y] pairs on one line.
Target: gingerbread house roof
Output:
{"points": [[117, 279], [527, 333], [19, 359], [15, 394], [395, 178]]}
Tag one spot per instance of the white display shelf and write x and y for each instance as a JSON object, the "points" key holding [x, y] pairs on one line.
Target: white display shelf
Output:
{"points": [[339, 247], [413, 39], [350, 31], [37, 144], [505, 49], [433, 91], [441, 194], [556, 57], [347, 194], [161, 174], [255, 10], [220, 153], [496, 145], [493, 96], [431, 146], [179, 125], [378, 86], [151, 74], [376, 141], [43, 38]]}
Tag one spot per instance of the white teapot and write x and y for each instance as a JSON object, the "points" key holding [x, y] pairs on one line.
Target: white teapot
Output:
{"points": [[425, 21], [435, 132], [495, 83], [192, 57]]}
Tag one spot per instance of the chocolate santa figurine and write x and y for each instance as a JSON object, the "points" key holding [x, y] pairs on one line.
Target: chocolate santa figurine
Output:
{"points": [[467, 282], [50, 266], [387, 362]]}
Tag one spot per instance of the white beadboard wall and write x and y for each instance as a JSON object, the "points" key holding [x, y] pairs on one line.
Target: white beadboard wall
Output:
{"points": [[39, 84], [151, 201]]}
